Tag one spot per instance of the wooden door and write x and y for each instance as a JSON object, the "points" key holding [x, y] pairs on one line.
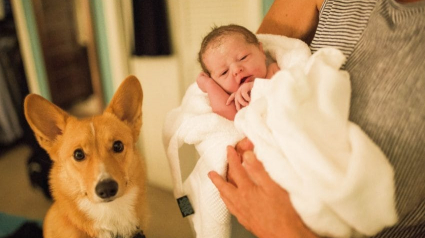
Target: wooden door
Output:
{"points": [[66, 60]]}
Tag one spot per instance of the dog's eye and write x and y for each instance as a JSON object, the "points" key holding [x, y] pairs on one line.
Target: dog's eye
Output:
{"points": [[79, 155], [118, 146]]}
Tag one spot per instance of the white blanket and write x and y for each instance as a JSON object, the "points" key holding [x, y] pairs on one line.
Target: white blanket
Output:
{"points": [[339, 181]]}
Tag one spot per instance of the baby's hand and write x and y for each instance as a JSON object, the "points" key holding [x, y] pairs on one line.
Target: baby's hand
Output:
{"points": [[241, 97], [271, 70], [203, 80]]}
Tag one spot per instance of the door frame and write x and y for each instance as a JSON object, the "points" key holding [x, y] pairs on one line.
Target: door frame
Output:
{"points": [[29, 43], [33, 60]]}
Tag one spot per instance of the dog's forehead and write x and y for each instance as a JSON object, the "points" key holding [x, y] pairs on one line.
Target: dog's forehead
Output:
{"points": [[103, 127], [77, 130], [108, 126], [95, 131], [77, 126]]}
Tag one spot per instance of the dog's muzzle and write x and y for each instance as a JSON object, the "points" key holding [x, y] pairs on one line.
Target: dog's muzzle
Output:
{"points": [[106, 189]]}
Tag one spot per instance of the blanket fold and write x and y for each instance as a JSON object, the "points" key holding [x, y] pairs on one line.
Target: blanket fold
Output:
{"points": [[339, 181]]}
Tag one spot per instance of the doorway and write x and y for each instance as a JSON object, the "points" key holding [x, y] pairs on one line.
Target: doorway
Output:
{"points": [[67, 43]]}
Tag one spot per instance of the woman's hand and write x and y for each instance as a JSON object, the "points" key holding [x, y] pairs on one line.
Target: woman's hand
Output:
{"points": [[259, 204]]}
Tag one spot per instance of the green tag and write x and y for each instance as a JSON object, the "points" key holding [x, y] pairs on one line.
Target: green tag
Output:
{"points": [[185, 206]]}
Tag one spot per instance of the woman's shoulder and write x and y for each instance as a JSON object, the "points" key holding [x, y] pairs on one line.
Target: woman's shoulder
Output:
{"points": [[341, 24]]}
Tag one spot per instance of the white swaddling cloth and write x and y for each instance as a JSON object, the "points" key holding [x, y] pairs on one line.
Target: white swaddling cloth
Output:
{"points": [[339, 181]]}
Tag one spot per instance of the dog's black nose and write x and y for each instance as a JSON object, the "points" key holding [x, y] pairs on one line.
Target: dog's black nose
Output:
{"points": [[106, 189]]}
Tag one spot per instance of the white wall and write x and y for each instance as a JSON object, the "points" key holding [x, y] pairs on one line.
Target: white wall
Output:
{"points": [[159, 79]]}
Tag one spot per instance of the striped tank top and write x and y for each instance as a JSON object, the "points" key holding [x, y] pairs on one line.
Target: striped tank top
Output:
{"points": [[384, 42]]}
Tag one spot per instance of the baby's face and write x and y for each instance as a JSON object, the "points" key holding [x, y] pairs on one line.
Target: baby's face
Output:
{"points": [[234, 62]]}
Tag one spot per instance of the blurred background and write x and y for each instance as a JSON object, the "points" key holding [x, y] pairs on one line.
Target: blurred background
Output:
{"points": [[75, 53]]}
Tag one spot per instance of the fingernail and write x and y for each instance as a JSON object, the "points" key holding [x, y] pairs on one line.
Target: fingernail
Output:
{"points": [[248, 157]]}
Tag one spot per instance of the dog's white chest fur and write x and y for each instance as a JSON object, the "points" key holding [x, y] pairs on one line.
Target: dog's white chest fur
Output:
{"points": [[113, 218]]}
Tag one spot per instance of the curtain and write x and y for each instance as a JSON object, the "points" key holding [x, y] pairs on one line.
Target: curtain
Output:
{"points": [[13, 86], [151, 30], [10, 95]]}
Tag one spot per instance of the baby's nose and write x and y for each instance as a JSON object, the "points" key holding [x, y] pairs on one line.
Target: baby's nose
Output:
{"points": [[237, 69]]}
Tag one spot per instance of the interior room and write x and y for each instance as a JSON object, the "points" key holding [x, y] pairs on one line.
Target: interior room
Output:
{"points": [[75, 54]]}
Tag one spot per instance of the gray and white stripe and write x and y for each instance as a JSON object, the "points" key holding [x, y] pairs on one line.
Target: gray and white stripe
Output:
{"points": [[341, 24]]}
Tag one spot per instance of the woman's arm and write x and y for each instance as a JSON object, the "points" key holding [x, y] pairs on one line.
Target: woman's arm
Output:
{"points": [[292, 18]]}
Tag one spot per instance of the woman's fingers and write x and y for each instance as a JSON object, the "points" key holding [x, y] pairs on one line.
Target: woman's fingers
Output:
{"points": [[220, 183], [244, 145], [260, 204], [253, 167], [256, 171], [230, 169], [236, 171], [227, 190]]}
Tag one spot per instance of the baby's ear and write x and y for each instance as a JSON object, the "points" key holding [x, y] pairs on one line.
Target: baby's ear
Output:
{"points": [[45, 119], [126, 104], [260, 46], [265, 54]]}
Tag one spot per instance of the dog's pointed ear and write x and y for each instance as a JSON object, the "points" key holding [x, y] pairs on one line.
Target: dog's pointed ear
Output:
{"points": [[126, 104], [45, 119]]}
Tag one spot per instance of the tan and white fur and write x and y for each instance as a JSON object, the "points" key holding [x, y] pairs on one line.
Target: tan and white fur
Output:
{"points": [[98, 178]]}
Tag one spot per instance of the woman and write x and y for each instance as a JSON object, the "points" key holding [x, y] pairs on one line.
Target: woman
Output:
{"points": [[383, 43]]}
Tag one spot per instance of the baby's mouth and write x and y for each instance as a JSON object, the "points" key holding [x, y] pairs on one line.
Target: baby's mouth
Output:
{"points": [[244, 79]]}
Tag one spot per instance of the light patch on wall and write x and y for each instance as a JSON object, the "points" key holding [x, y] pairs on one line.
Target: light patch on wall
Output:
{"points": [[2, 12], [266, 6]]}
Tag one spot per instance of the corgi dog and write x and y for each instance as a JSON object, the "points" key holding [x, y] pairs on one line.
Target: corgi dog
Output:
{"points": [[98, 178]]}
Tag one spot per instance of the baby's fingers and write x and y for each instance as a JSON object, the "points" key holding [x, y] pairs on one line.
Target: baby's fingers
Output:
{"points": [[246, 97], [230, 99], [241, 101], [238, 106]]}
